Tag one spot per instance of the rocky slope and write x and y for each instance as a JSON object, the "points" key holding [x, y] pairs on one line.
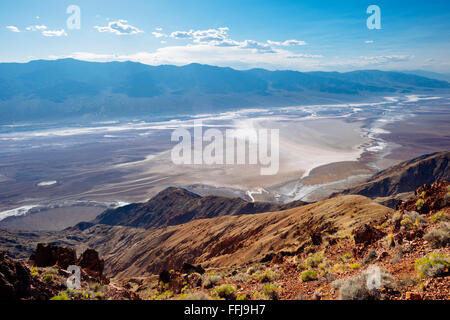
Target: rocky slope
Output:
{"points": [[174, 206], [403, 255], [405, 177]]}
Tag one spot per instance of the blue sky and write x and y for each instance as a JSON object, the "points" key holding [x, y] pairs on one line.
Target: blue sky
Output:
{"points": [[297, 35]]}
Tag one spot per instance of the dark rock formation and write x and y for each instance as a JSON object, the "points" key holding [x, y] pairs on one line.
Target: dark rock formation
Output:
{"points": [[91, 263], [16, 282], [50, 255]]}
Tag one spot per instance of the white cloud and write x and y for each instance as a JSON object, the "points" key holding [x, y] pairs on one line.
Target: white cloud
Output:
{"points": [[159, 29], [219, 37], [36, 28], [368, 41], [287, 43], [13, 28], [119, 27], [54, 33], [159, 34]]}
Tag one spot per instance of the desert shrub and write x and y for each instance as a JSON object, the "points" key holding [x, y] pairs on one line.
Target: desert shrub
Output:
{"points": [[308, 275], [211, 280], [419, 204], [398, 254], [225, 291], [258, 296], [34, 272], [241, 297], [365, 286], [62, 296], [271, 291], [48, 277], [389, 240], [354, 266], [439, 237], [413, 220], [241, 277], [52, 271], [200, 295], [439, 216], [395, 217], [339, 267], [266, 276], [312, 261], [432, 265], [251, 270], [370, 256], [309, 250]]}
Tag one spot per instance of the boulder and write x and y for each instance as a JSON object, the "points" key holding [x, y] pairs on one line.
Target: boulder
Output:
{"points": [[367, 235]]}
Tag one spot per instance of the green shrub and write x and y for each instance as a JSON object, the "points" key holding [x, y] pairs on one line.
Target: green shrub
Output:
{"points": [[47, 277], [314, 260], [432, 265], [241, 297], [419, 204], [266, 276], [309, 275], [225, 291], [439, 216], [62, 296], [34, 271], [271, 291], [355, 266]]}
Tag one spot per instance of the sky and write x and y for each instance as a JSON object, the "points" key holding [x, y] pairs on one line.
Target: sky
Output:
{"points": [[242, 34]]}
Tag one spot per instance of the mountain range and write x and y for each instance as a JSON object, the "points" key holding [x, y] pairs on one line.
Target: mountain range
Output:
{"points": [[61, 89]]}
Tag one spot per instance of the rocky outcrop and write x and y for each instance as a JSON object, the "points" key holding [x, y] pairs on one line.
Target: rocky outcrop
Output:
{"points": [[367, 235], [90, 261], [16, 282], [50, 255], [175, 206]]}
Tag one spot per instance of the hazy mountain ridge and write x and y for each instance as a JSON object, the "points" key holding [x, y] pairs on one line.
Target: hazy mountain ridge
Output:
{"points": [[67, 88], [406, 176], [174, 206]]}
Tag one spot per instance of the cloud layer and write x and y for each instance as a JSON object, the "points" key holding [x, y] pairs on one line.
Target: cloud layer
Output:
{"points": [[119, 27]]}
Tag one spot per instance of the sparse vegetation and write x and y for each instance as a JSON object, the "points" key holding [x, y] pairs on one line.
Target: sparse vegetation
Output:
{"points": [[419, 204], [62, 296], [439, 237], [367, 285], [309, 275], [432, 265], [241, 277], [370, 256], [354, 266], [266, 276], [211, 280], [200, 295], [271, 291], [225, 291], [439, 216], [48, 277], [413, 220]]}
